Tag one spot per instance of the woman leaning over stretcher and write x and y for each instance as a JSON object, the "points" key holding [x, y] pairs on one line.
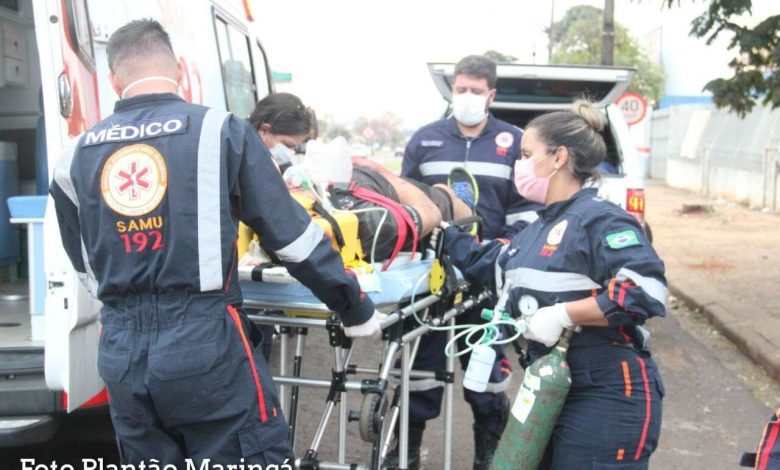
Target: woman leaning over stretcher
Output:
{"points": [[283, 123], [585, 262]]}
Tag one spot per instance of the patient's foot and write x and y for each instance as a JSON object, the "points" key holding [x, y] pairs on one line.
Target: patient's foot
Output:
{"points": [[464, 186]]}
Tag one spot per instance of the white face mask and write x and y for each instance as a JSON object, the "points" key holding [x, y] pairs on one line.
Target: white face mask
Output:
{"points": [[146, 79], [469, 109], [282, 154]]}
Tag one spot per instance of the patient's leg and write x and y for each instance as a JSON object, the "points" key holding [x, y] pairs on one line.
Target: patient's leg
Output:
{"points": [[412, 196], [459, 208], [408, 194]]}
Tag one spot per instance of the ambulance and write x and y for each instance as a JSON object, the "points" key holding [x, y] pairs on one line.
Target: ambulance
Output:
{"points": [[54, 86]]}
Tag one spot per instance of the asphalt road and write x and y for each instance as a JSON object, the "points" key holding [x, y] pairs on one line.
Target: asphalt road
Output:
{"points": [[717, 402], [716, 405]]}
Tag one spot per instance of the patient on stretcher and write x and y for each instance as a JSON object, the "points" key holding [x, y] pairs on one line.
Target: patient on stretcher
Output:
{"points": [[392, 214]]}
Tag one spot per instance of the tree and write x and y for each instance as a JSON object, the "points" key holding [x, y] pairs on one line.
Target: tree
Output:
{"points": [[576, 40], [329, 129], [757, 65], [557, 30], [499, 57], [338, 130]]}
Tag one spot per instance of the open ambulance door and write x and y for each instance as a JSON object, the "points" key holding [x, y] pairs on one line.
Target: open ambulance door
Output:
{"points": [[544, 87], [70, 103]]}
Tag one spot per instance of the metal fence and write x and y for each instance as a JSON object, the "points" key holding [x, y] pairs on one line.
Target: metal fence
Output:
{"points": [[716, 153]]}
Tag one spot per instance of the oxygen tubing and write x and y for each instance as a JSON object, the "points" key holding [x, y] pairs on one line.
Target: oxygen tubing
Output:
{"points": [[470, 330]]}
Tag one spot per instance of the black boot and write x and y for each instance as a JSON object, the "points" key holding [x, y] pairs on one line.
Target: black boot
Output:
{"points": [[415, 441], [488, 429]]}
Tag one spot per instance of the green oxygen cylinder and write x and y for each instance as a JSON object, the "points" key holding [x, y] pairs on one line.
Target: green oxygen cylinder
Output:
{"points": [[535, 411]]}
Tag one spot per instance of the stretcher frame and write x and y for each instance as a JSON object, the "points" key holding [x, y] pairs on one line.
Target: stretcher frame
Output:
{"points": [[376, 390]]}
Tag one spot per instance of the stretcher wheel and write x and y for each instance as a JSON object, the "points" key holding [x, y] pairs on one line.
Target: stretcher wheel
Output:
{"points": [[372, 413]]}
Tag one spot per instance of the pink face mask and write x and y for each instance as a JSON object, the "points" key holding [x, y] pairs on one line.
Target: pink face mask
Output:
{"points": [[528, 184]]}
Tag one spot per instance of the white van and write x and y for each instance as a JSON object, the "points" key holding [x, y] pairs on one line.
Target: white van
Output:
{"points": [[53, 86], [525, 91]]}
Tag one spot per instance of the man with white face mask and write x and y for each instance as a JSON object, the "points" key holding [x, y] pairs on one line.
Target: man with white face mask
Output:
{"points": [[475, 153], [471, 138], [148, 203]]}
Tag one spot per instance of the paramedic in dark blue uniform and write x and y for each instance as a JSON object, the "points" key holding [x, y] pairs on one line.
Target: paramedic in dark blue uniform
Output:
{"points": [[148, 203], [585, 262], [488, 148]]}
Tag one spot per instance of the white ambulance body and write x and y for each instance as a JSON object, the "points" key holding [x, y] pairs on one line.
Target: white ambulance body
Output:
{"points": [[57, 49]]}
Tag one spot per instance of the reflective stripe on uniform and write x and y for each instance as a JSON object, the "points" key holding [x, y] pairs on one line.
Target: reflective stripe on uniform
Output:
{"points": [[549, 281], [209, 201], [498, 387], [422, 385], [65, 182], [62, 171], [496, 170], [301, 247], [88, 278], [526, 216], [652, 287], [491, 387]]}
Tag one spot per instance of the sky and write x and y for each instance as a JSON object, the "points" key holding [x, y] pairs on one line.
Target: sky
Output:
{"points": [[352, 58]]}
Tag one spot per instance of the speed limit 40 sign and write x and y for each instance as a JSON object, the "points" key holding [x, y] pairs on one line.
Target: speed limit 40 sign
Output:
{"points": [[634, 107]]}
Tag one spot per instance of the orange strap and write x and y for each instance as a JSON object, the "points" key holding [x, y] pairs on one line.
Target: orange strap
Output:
{"points": [[260, 397], [648, 409]]}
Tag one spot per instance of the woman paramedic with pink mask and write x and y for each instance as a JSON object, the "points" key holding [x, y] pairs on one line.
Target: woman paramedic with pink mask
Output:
{"points": [[585, 262]]}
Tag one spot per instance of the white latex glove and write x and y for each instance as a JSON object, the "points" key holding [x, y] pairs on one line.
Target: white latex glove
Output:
{"points": [[370, 328], [547, 324]]}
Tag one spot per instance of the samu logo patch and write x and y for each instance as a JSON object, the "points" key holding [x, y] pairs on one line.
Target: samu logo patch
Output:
{"points": [[624, 239], [134, 180], [554, 238]]}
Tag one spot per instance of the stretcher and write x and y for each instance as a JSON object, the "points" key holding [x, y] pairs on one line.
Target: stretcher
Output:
{"points": [[427, 288]]}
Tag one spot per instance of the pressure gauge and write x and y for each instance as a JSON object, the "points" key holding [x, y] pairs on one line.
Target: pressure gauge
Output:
{"points": [[528, 305]]}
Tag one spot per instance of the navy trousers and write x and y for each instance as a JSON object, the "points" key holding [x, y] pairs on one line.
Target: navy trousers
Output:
{"points": [[612, 416], [187, 380]]}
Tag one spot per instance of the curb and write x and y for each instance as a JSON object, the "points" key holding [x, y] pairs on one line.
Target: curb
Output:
{"points": [[742, 333]]}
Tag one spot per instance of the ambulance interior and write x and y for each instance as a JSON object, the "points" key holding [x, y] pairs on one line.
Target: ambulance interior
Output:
{"points": [[24, 168], [548, 93], [23, 171], [523, 92]]}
